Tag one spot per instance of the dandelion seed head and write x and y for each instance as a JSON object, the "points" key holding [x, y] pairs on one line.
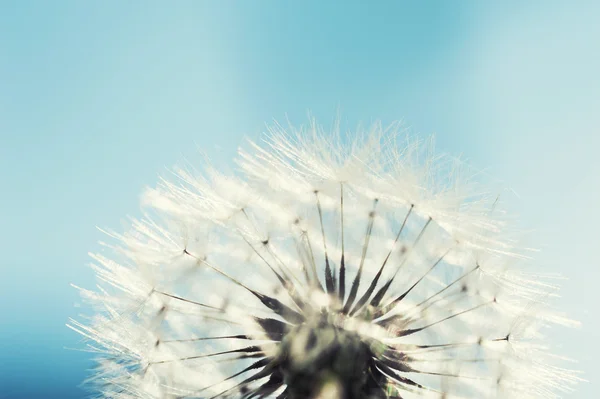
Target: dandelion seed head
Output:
{"points": [[326, 268]]}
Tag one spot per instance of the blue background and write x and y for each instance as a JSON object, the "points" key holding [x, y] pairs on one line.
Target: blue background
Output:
{"points": [[98, 98]]}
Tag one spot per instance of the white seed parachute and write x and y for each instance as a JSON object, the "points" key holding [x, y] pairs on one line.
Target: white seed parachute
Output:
{"points": [[329, 266]]}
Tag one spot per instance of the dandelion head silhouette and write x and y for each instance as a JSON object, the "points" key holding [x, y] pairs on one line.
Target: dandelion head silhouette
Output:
{"points": [[363, 266]]}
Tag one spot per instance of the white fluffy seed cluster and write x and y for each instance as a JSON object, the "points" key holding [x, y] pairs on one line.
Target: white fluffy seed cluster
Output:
{"points": [[322, 241]]}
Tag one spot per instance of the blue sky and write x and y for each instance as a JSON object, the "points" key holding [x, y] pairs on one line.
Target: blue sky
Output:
{"points": [[98, 98]]}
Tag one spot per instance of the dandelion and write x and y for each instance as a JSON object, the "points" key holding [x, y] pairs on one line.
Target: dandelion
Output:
{"points": [[325, 268]]}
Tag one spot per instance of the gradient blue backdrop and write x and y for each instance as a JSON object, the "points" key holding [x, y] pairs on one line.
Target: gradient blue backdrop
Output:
{"points": [[97, 98]]}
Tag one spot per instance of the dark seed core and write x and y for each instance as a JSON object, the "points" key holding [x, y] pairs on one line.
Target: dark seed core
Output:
{"points": [[319, 356]]}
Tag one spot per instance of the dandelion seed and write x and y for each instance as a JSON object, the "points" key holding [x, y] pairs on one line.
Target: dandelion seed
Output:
{"points": [[372, 269]]}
